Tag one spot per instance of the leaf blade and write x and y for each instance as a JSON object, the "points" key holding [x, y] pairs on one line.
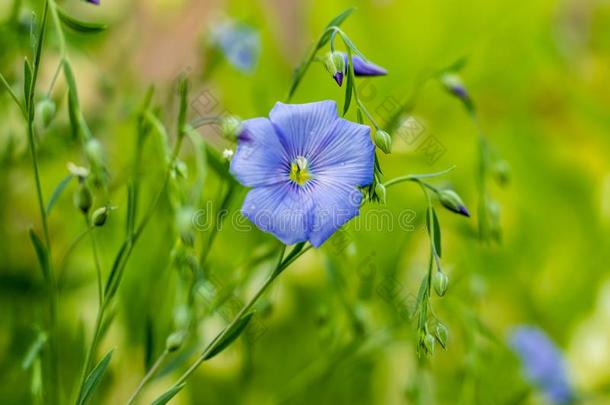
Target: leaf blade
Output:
{"points": [[57, 192], [225, 339], [94, 378]]}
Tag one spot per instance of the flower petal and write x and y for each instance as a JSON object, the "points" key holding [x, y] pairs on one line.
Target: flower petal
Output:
{"points": [[302, 126], [335, 203], [283, 209], [362, 68], [260, 158], [347, 154]]}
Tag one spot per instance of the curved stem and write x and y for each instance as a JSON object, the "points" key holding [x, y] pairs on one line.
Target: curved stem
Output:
{"points": [[416, 177], [282, 264], [150, 374]]}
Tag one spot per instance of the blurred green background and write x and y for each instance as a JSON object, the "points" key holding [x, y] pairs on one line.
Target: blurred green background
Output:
{"points": [[539, 73]]}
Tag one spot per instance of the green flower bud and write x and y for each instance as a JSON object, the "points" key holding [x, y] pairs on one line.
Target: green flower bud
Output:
{"points": [[440, 283], [429, 342], [230, 126], [335, 64], [45, 110], [99, 216], [383, 141], [380, 192], [83, 198], [452, 201], [442, 334], [501, 171], [175, 341]]}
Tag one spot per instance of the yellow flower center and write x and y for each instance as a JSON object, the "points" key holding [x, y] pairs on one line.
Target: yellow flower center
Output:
{"points": [[299, 172]]}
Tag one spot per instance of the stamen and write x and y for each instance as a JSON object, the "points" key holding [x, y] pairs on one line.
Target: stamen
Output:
{"points": [[299, 172]]}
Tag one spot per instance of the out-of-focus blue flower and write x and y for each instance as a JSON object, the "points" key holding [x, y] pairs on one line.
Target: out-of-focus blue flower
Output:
{"points": [[96, 2], [304, 165], [239, 43], [543, 363]]}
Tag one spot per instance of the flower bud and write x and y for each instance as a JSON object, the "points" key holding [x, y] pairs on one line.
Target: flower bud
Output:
{"points": [[46, 111], [429, 342], [380, 192], [383, 141], [501, 171], [452, 201], [335, 64], [230, 126], [83, 198], [440, 283], [442, 334], [175, 341], [94, 152], [100, 216], [453, 84]]}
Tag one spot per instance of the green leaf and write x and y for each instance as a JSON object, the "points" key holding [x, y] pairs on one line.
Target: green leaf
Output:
{"points": [[434, 229], [10, 91], [27, 81], [335, 22], [94, 378], [73, 104], [78, 25], [349, 86], [41, 253], [183, 90], [162, 137], [223, 340], [57, 192], [34, 351], [131, 209], [169, 394]]}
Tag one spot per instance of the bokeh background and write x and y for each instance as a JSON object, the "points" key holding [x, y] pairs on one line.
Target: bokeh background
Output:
{"points": [[539, 73]]}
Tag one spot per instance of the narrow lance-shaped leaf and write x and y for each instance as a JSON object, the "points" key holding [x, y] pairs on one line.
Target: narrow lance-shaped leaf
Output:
{"points": [[94, 378], [169, 394], [225, 339], [73, 104], [183, 89], [349, 86], [57, 192], [34, 351], [27, 82], [434, 230], [78, 25], [41, 253], [335, 22]]}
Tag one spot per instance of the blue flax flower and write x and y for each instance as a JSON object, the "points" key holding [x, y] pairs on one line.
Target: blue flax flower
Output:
{"points": [[542, 362], [304, 165], [239, 43], [96, 2], [361, 68]]}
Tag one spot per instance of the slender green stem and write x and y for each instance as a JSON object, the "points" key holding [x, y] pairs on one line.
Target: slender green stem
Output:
{"points": [[120, 263], [12, 93], [150, 374], [282, 264], [416, 177], [217, 223]]}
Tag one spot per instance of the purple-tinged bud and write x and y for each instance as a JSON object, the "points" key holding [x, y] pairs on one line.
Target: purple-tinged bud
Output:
{"points": [[336, 66], [454, 85], [452, 201], [96, 2]]}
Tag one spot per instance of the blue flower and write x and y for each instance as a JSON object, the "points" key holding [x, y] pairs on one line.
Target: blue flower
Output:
{"points": [[543, 363], [361, 68], [96, 2], [239, 43], [304, 165]]}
